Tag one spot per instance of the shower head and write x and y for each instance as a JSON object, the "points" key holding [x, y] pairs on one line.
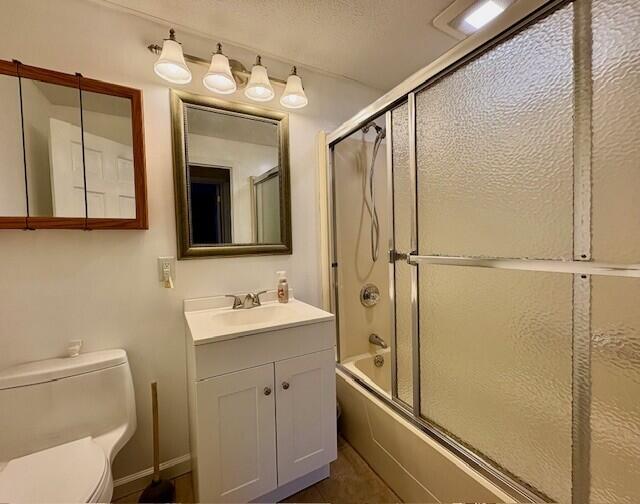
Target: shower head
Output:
{"points": [[379, 130]]}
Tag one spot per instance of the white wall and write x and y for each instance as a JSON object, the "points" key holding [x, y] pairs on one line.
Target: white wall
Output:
{"points": [[102, 286]]}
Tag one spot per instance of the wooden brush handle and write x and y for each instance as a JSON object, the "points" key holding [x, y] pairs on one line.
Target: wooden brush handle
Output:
{"points": [[156, 432]]}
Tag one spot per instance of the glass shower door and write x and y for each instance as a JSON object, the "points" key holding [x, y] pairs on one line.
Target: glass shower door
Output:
{"points": [[495, 181], [514, 274], [404, 238]]}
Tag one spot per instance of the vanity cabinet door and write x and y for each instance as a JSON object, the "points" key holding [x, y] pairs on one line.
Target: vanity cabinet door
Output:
{"points": [[237, 436], [306, 414]]}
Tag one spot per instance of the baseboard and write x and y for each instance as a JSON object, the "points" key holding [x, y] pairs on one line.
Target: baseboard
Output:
{"points": [[138, 481]]}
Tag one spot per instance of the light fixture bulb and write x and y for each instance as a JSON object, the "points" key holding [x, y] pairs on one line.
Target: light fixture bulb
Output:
{"points": [[171, 65], [219, 78], [259, 88], [294, 96], [482, 15]]}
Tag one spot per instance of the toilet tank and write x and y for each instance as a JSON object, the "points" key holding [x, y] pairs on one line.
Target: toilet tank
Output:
{"points": [[50, 402]]}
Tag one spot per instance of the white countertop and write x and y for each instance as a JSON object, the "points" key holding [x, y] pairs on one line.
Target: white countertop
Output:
{"points": [[213, 319]]}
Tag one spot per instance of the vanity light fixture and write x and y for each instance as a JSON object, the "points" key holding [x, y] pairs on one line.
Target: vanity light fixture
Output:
{"points": [[294, 96], [259, 88], [171, 65], [226, 75], [484, 14], [219, 78]]}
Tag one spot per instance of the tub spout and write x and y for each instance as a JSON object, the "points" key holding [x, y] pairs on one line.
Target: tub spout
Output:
{"points": [[374, 339]]}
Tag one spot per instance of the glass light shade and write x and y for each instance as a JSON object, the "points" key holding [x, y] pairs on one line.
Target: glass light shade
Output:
{"points": [[219, 78], [293, 96], [259, 88], [171, 65]]}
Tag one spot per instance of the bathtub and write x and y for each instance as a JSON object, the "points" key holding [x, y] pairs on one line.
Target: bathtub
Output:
{"points": [[414, 465], [376, 376]]}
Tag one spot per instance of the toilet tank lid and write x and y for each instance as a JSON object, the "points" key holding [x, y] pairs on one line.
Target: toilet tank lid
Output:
{"points": [[32, 373]]}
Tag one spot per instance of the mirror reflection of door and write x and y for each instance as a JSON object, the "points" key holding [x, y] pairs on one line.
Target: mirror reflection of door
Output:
{"points": [[66, 147], [210, 204]]}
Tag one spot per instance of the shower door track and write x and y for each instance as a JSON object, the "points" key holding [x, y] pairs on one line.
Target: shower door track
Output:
{"points": [[505, 482]]}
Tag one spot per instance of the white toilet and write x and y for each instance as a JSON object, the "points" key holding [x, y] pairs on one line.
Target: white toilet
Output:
{"points": [[62, 421]]}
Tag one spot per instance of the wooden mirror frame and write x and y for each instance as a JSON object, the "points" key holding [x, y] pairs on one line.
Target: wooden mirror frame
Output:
{"points": [[186, 250], [77, 81]]}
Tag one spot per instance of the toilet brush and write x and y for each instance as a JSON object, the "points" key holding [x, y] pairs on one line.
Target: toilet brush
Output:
{"points": [[158, 490]]}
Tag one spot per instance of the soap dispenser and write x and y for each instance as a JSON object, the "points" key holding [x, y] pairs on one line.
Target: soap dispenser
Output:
{"points": [[283, 287]]}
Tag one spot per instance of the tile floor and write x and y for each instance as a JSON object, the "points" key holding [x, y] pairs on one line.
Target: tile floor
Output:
{"points": [[351, 481], [184, 491]]}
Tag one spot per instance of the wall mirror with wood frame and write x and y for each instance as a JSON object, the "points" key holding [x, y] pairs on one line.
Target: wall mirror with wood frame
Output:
{"points": [[231, 164], [71, 152]]}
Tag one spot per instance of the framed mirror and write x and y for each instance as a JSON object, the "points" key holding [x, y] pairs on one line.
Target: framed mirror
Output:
{"points": [[71, 152], [231, 167]]}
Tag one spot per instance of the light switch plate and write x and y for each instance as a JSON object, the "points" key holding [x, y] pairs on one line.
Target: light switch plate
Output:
{"points": [[171, 261]]}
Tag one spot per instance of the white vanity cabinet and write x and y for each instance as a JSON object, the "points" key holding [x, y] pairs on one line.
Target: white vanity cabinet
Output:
{"points": [[262, 404]]}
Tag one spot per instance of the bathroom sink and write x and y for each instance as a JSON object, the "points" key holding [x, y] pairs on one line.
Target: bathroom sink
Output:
{"points": [[267, 314], [212, 319]]}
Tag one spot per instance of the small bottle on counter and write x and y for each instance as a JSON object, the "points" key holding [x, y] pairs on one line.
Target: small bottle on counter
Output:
{"points": [[283, 287]]}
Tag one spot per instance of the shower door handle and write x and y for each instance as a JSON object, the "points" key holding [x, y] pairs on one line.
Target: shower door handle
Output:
{"points": [[394, 256]]}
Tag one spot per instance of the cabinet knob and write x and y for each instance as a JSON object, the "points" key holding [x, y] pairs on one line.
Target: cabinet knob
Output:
{"points": [[285, 385], [267, 391]]}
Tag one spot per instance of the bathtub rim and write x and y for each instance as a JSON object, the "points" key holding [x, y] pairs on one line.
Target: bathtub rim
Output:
{"points": [[350, 364], [502, 481]]}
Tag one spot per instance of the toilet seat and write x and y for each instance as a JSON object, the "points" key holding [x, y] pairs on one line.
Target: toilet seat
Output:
{"points": [[73, 472]]}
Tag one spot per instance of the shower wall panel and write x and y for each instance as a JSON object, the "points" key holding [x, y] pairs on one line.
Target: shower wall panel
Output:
{"points": [[355, 266], [495, 153]]}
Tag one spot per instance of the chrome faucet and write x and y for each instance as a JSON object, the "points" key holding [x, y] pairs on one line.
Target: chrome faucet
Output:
{"points": [[374, 339], [251, 300]]}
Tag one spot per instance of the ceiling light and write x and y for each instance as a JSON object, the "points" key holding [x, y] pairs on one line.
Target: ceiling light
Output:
{"points": [[219, 78], [259, 88], [293, 96], [483, 14], [171, 65]]}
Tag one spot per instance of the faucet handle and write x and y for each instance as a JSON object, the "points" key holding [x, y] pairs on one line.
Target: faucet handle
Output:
{"points": [[256, 298], [237, 302]]}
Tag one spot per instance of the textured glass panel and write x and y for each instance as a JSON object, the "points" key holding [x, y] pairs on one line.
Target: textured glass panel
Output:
{"points": [[403, 189], [615, 407], [616, 131], [495, 355], [495, 153], [352, 161]]}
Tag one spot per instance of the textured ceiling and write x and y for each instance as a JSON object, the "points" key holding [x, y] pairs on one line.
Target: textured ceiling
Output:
{"points": [[375, 42]]}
